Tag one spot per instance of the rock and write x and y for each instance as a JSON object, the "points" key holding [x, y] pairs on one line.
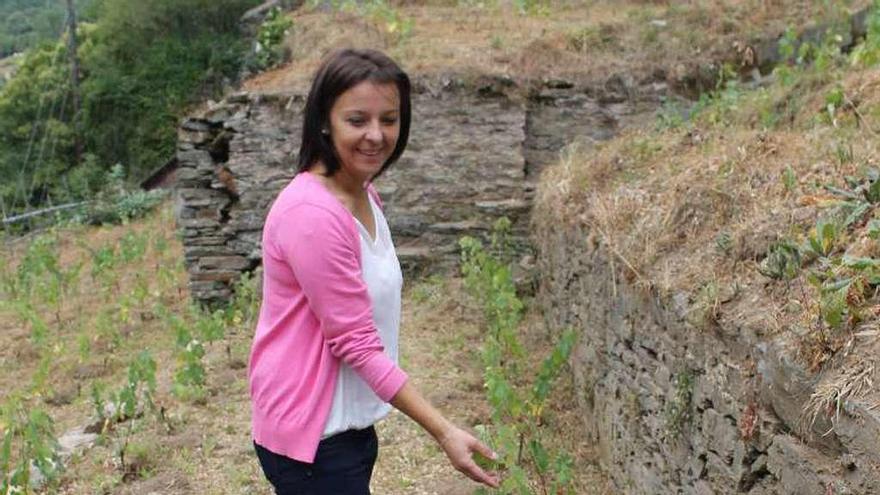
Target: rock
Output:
{"points": [[75, 440]]}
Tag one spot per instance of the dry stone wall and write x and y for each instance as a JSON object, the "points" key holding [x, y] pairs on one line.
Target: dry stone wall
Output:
{"points": [[678, 409], [474, 155]]}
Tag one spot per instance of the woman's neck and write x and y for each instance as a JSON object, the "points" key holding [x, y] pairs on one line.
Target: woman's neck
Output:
{"points": [[340, 183]]}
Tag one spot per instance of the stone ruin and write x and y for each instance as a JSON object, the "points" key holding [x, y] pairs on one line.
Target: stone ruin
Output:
{"points": [[475, 152]]}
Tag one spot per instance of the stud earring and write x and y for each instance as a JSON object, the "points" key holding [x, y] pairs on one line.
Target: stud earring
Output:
{"points": [[325, 132]]}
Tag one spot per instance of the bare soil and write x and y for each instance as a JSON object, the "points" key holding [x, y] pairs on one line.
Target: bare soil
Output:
{"points": [[204, 446]]}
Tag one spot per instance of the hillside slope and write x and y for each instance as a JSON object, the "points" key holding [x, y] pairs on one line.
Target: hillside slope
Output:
{"points": [[99, 318], [723, 270], [681, 42]]}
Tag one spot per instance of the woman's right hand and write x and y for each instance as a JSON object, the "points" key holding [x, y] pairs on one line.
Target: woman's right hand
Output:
{"points": [[460, 446]]}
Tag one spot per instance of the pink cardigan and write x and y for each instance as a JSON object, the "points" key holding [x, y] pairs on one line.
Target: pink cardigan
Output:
{"points": [[316, 312]]}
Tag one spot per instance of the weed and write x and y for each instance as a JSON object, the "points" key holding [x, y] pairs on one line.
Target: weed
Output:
{"points": [[591, 38], [874, 229], [396, 27], [867, 53], [428, 289], [136, 459], [789, 179], [189, 379], [132, 247], [533, 7], [821, 242], [117, 204], [718, 107], [783, 261], [670, 115], [495, 42], [723, 243], [705, 309], [245, 304], [678, 407], [103, 261]]}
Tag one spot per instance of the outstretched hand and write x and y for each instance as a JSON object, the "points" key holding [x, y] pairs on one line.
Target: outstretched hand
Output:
{"points": [[460, 446]]}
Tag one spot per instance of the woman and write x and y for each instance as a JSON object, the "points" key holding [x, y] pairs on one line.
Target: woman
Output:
{"points": [[323, 365]]}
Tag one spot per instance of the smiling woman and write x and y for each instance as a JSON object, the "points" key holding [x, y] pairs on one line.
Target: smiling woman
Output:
{"points": [[324, 364]]}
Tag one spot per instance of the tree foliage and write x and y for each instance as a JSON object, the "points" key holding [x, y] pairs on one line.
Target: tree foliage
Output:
{"points": [[143, 63]]}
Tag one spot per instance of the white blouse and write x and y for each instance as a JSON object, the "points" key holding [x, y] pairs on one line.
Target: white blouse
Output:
{"points": [[355, 405]]}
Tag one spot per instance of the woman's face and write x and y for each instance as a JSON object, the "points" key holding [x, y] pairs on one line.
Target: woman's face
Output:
{"points": [[364, 126]]}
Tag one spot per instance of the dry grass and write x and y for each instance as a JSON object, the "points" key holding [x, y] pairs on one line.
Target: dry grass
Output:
{"points": [[572, 39], [853, 382], [693, 211]]}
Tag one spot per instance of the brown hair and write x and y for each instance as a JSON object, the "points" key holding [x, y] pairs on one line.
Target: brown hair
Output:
{"points": [[341, 71]]}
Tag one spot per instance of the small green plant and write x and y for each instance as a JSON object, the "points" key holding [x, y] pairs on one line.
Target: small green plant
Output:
{"points": [[103, 262], [107, 330], [678, 407], [787, 72], [189, 379], [867, 53], [396, 25], [822, 241], [783, 261], [210, 326], [132, 246], [828, 54], [589, 38], [834, 101], [139, 388], [533, 7], [245, 304], [833, 301], [670, 115], [723, 243], [28, 441], [843, 282], [789, 179], [270, 37], [516, 429], [136, 396], [719, 106], [99, 403], [874, 229]]}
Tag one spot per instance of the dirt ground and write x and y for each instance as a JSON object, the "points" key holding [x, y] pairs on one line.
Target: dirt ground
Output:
{"points": [[203, 446]]}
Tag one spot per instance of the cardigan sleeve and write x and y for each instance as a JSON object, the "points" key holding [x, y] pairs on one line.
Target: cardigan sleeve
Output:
{"points": [[324, 256]]}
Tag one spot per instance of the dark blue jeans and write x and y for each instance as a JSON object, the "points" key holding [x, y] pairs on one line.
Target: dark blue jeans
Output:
{"points": [[343, 466]]}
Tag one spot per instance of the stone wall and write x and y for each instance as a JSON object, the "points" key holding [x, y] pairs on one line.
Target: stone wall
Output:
{"points": [[474, 155], [679, 409]]}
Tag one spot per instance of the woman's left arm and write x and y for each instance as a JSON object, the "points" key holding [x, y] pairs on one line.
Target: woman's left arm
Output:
{"points": [[458, 444]]}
